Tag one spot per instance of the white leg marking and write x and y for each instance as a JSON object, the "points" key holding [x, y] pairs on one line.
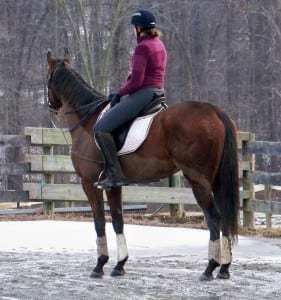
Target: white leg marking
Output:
{"points": [[122, 250], [226, 251], [215, 250], [102, 246]]}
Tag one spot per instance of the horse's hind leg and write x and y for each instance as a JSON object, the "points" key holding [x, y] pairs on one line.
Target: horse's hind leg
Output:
{"points": [[214, 252], [226, 244], [206, 202], [115, 202], [95, 198], [226, 256]]}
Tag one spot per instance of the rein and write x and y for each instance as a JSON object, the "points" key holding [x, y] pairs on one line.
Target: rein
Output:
{"points": [[86, 115], [92, 109], [97, 105]]}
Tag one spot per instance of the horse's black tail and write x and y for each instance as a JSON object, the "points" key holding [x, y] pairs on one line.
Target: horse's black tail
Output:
{"points": [[226, 185]]}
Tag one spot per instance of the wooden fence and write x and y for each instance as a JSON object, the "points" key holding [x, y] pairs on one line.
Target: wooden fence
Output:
{"points": [[48, 164], [255, 181]]}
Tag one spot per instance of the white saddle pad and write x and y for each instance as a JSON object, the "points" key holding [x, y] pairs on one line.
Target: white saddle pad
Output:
{"points": [[137, 132]]}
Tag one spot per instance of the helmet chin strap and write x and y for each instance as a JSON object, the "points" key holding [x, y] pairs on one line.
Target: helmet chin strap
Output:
{"points": [[138, 31]]}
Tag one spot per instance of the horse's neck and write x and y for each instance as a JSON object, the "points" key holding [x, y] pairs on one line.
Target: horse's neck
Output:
{"points": [[71, 117], [83, 144]]}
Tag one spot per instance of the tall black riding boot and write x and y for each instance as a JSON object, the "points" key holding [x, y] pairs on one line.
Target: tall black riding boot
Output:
{"points": [[113, 171]]}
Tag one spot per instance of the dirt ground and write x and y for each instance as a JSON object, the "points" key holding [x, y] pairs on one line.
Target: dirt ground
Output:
{"points": [[56, 276]]}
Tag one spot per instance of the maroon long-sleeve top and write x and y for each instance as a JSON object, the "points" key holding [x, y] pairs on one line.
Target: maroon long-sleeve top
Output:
{"points": [[148, 66]]}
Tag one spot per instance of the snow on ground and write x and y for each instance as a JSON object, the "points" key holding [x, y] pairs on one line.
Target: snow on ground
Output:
{"points": [[53, 260], [141, 240], [80, 236]]}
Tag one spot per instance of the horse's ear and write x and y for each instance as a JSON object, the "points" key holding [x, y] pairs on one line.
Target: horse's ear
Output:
{"points": [[67, 57], [50, 58]]}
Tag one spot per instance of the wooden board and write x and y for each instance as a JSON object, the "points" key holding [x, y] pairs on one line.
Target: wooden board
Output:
{"points": [[48, 136], [14, 140], [74, 192], [14, 196], [263, 206], [14, 168], [50, 163]]}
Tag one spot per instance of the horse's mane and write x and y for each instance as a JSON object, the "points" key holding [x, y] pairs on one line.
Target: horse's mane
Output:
{"points": [[77, 92]]}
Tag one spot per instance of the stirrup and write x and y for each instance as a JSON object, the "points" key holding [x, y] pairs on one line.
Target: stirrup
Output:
{"points": [[98, 184], [108, 183]]}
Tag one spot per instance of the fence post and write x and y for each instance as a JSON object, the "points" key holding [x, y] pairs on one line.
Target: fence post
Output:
{"points": [[248, 185], [48, 178], [267, 197], [176, 210]]}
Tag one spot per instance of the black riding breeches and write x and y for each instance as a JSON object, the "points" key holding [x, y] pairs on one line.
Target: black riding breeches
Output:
{"points": [[126, 110]]}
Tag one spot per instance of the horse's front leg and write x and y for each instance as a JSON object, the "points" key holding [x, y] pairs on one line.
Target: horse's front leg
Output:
{"points": [[95, 198], [114, 198]]}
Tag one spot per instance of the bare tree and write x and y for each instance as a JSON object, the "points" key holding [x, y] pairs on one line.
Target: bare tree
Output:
{"points": [[223, 51]]}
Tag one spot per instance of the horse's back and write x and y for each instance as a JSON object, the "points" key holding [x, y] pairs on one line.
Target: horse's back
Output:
{"points": [[192, 134], [186, 136], [193, 108], [192, 118]]}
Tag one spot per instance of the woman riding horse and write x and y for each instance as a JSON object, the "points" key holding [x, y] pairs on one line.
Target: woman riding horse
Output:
{"points": [[197, 138], [147, 77]]}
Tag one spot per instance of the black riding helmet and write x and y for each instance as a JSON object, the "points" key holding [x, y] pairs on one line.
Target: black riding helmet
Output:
{"points": [[143, 18]]}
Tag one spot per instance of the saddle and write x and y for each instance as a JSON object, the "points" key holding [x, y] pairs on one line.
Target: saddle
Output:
{"points": [[132, 134], [142, 123]]}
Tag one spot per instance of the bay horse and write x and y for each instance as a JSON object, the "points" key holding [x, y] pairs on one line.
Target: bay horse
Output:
{"points": [[195, 137]]}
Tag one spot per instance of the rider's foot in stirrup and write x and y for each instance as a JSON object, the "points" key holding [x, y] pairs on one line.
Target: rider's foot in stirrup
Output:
{"points": [[109, 183]]}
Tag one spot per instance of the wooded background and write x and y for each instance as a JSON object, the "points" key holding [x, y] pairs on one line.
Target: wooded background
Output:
{"points": [[227, 52]]}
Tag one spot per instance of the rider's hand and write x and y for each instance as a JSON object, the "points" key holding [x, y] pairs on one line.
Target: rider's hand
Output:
{"points": [[115, 98]]}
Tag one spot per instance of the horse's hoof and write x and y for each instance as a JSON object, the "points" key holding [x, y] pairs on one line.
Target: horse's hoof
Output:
{"points": [[205, 277], [224, 275], [116, 272], [96, 274]]}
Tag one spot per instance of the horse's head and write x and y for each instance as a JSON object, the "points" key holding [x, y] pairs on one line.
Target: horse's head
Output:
{"points": [[54, 99]]}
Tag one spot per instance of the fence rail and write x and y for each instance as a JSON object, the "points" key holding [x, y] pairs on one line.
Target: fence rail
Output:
{"points": [[262, 147], [48, 165], [14, 140], [270, 181], [130, 194], [259, 177]]}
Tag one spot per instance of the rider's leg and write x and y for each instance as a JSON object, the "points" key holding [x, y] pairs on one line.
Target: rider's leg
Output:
{"points": [[126, 110], [113, 170]]}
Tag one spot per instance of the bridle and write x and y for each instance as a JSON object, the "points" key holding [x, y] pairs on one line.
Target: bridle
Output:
{"points": [[51, 104], [90, 107]]}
